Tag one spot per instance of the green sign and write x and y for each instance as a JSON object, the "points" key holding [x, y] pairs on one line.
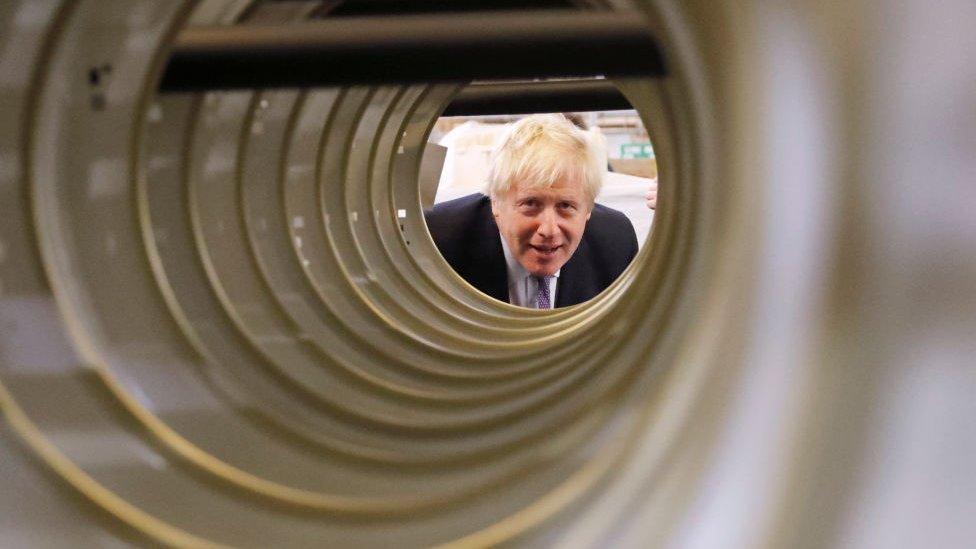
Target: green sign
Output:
{"points": [[636, 150]]}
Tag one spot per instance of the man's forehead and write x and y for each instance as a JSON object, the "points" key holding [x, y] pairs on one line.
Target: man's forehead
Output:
{"points": [[561, 188]]}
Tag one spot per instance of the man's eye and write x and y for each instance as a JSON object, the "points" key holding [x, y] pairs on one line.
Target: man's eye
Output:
{"points": [[569, 206]]}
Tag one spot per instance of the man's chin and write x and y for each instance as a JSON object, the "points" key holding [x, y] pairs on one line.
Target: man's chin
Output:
{"points": [[539, 263], [543, 268]]}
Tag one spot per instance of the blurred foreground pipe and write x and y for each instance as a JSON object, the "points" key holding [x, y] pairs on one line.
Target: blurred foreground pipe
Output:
{"points": [[431, 48]]}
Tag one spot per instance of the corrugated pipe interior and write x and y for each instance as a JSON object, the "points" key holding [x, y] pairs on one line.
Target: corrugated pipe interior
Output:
{"points": [[223, 321]]}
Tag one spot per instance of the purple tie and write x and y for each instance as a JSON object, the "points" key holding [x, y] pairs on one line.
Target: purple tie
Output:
{"points": [[545, 300]]}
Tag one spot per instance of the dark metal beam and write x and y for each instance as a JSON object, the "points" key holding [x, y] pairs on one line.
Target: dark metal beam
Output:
{"points": [[353, 8], [429, 48], [536, 97]]}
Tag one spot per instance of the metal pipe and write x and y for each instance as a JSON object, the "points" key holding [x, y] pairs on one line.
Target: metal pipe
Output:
{"points": [[429, 48]]}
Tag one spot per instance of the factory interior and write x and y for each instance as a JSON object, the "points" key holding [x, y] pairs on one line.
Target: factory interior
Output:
{"points": [[224, 321]]}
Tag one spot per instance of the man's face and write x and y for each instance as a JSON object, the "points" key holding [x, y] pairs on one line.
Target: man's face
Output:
{"points": [[542, 226]]}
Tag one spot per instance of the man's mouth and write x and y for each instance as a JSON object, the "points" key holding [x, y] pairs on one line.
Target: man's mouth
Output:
{"points": [[545, 250]]}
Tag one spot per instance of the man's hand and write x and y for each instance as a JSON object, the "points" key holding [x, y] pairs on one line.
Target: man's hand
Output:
{"points": [[652, 195]]}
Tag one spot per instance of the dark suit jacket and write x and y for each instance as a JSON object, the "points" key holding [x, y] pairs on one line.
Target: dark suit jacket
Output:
{"points": [[466, 235]]}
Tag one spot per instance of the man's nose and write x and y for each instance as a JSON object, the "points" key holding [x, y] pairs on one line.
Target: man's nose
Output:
{"points": [[547, 223]]}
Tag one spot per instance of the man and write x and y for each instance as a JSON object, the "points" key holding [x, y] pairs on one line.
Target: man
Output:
{"points": [[537, 239]]}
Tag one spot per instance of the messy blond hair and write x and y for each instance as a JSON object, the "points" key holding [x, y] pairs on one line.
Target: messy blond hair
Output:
{"points": [[539, 150]]}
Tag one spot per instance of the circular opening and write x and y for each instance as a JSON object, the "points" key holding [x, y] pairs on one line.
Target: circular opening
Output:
{"points": [[495, 245]]}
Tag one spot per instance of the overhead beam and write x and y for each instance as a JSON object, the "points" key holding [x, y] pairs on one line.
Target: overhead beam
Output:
{"points": [[352, 8], [536, 97], [407, 49]]}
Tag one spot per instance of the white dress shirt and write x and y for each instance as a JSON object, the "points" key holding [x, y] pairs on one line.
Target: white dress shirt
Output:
{"points": [[523, 289]]}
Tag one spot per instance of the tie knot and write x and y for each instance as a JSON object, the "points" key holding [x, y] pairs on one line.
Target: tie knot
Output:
{"points": [[544, 300]]}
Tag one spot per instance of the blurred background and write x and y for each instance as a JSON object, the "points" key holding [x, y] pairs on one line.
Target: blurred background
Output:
{"points": [[223, 321]]}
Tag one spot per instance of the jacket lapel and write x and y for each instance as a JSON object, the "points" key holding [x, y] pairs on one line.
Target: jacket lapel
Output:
{"points": [[490, 270], [567, 293], [575, 283]]}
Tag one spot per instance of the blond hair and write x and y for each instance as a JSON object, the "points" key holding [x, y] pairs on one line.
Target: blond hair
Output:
{"points": [[539, 150]]}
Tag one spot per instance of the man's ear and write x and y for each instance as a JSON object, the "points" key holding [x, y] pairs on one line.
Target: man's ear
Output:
{"points": [[494, 207]]}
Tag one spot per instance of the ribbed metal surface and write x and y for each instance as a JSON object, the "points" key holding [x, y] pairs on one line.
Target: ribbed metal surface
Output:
{"points": [[223, 322]]}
